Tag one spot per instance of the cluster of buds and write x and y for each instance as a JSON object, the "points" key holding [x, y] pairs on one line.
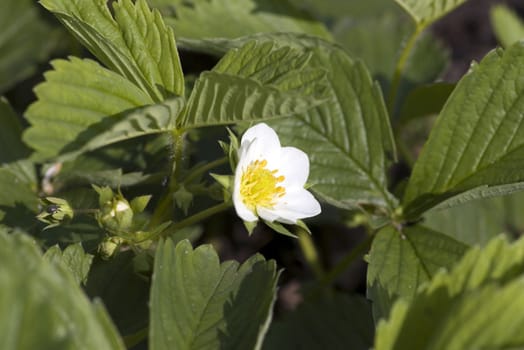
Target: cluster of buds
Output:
{"points": [[118, 217]]}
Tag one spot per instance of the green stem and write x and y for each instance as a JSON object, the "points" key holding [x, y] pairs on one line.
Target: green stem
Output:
{"points": [[165, 206], [399, 68], [196, 172], [135, 338], [193, 219], [343, 265], [310, 253]]}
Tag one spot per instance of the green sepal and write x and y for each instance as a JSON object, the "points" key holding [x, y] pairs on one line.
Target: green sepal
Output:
{"points": [[227, 181], [278, 227], [303, 226], [138, 204], [250, 226], [183, 198], [232, 153]]}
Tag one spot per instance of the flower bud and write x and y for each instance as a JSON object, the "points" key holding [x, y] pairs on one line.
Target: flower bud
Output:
{"points": [[115, 215], [109, 247], [55, 211]]}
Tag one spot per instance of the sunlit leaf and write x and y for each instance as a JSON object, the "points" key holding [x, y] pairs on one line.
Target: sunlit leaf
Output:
{"points": [[198, 303], [348, 141], [135, 43], [477, 305], [258, 81], [124, 126], [400, 262], [476, 147], [76, 94]]}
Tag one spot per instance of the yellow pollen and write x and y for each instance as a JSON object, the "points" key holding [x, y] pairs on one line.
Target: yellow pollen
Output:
{"points": [[259, 186]]}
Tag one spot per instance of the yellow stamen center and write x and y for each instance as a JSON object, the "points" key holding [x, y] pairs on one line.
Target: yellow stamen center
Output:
{"points": [[259, 186]]}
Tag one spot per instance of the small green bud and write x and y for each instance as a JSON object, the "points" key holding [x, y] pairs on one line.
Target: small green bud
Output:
{"points": [[109, 247], [116, 215], [55, 211]]}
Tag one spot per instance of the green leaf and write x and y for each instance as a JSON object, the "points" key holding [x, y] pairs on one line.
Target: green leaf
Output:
{"points": [[135, 43], [425, 63], [42, 305], [122, 289], [400, 262], [72, 258], [476, 147], [479, 221], [507, 25], [332, 322], [348, 141], [75, 95], [205, 19], [355, 9], [198, 303], [26, 40], [477, 305], [255, 82], [11, 146], [425, 12], [129, 124], [18, 199]]}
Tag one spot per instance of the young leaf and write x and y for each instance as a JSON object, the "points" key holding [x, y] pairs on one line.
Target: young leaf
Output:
{"points": [[476, 148], [72, 258], [135, 43], [11, 146], [400, 262], [256, 82], [425, 12], [507, 25], [205, 19], [477, 305], [349, 140], [75, 95], [25, 40], [42, 305], [198, 303], [336, 321]]}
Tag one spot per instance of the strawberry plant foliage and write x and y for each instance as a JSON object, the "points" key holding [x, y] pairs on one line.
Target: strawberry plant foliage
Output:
{"points": [[156, 173]]}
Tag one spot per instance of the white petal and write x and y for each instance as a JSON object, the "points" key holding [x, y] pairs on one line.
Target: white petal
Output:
{"points": [[242, 211], [293, 164], [298, 203], [264, 142]]}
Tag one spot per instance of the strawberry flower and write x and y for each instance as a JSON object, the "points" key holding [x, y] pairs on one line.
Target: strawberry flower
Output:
{"points": [[269, 179]]}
